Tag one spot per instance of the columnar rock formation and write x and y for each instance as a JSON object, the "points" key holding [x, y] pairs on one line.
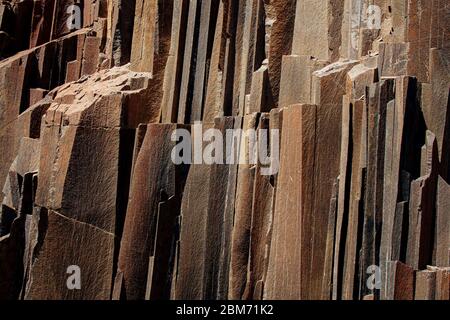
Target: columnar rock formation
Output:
{"points": [[92, 91]]}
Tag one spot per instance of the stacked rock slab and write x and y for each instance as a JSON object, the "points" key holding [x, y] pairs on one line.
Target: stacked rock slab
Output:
{"points": [[95, 95]]}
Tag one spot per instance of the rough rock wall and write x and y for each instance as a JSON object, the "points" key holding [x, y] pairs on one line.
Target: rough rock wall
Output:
{"points": [[358, 89]]}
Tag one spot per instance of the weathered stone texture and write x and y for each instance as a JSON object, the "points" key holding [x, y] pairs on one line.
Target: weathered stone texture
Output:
{"points": [[96, 95]]}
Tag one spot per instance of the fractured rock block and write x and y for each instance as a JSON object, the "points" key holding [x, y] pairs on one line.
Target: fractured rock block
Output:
{"points": [[151, 220], [302, 207], [91, 252]]}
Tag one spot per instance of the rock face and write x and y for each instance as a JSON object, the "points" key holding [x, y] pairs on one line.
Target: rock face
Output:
{"points": [[348, 99]]}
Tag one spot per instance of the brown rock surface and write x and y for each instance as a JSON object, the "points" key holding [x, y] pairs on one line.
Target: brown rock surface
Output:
{"points": [[348, 199]]}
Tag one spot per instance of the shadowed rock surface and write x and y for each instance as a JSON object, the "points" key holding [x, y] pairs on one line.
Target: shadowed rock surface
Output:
{"points": [[92, 93]]}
